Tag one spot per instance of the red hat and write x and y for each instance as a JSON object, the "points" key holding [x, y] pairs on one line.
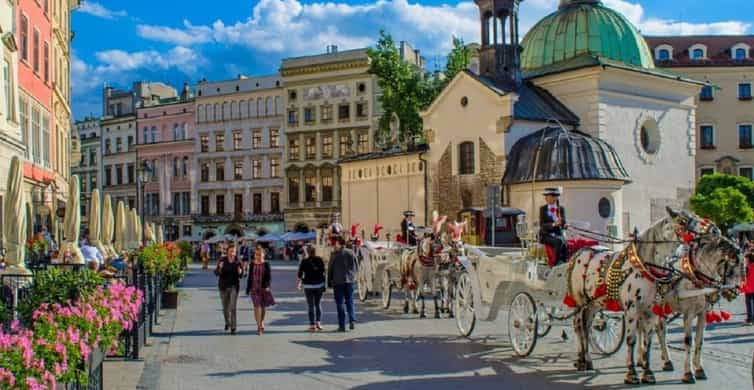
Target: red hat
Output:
{"points": [[354, 229], [377, 228]]}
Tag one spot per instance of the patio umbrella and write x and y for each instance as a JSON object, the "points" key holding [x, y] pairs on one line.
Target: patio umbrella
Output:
{"points": [[14, 228], [149, 233], [160, 237], [120, 228], [95, 223], [72, 224], [134, 230], [108, 224]]}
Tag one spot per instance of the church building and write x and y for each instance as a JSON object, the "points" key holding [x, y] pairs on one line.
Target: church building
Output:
{"points": [[578, 104]]}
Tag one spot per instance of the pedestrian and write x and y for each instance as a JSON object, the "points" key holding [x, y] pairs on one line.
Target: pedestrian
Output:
{"points": [[748, 289], [204, 252], [258, 287], [311, 276], [229, 273], [341, 275]]}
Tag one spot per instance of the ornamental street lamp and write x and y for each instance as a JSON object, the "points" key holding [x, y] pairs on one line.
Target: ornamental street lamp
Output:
{"points": [[144, 173]]}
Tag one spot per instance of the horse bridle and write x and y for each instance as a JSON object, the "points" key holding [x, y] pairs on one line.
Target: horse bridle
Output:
{"points": [[700, 279]]}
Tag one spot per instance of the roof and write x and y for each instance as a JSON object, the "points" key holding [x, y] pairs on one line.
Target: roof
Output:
{"points": [[563, 155], [588, 61], [534, 103], [584, 27], [324, 58], [385, 154], [718, 50]]}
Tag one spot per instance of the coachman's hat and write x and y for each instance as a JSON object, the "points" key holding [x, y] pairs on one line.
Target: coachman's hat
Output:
{"points": [[552, 191], [408, 213]]}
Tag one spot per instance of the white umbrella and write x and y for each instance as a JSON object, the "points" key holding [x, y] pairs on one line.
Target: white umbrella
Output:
{"points": [[95, 223], [72, 225], [133, 231], [108, 225], [160, 237], [149, 233], [14, 228], [120, 227]]}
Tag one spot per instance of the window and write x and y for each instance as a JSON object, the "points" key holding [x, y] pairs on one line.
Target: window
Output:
{"points": [[154, 134], [46, 64], [663, 55], [219, 204], [268, 108], [257, 203], [744, 91], [205, 205], [363, 143], [274, 202], [185, 165], [327, 146], [740, 54], [187, 228], [293, 117], [311, 148], [46, 140], [649, 137], [205, 172], [35, 51], [345, 145], [145, 133], [237, 170], [108, 175], [119, 174], [238, 204], [256, 139], [25, 136], [219, 142], [176, 203], [274, 138], [186, 203], [707, 137], [118, 144], [130, 142], [293, 151], [274, 167], [293, 186], [706, 94], [256, 169], [204, 143], [8, 90], [292, 95], [361, 110], [744, 136], [93, 181], [605, 208], [24, 38], [237, 140], [130, 173], [309, 115], [310, 188], [219, 171], [36, 133], [176, 168], [697, 54], [107, 146], [326, 113], [466, 158], [746, 172], [327, 187], [344, 112]]}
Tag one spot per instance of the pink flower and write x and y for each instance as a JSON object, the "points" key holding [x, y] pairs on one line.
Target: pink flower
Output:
{"points": [[85, 350], [33, 384]]}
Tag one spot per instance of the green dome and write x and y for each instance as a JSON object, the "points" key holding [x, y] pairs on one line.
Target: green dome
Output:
{"points": [[584, 27]]}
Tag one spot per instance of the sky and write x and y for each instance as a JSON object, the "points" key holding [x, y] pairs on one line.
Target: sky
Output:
{"points": [[118, 42]]}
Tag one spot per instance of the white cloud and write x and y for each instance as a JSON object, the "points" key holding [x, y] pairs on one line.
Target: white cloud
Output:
{"points": [[635, 13], [99, 10]]}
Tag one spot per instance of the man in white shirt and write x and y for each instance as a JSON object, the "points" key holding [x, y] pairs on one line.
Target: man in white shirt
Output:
{"points": [[91, 253]]}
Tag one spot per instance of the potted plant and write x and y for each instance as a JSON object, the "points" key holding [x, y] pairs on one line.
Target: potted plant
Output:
{"points": [[172, 273]]}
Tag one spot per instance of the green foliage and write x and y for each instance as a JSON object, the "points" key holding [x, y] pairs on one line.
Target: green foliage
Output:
{"points": [[709, 183], [186, 249], [164, 260], [724, 205], [57, 286], [5, 314], [407, 89]]}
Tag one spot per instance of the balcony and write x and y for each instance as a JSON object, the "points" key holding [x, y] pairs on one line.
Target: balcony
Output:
{"points": [[227, 218]]}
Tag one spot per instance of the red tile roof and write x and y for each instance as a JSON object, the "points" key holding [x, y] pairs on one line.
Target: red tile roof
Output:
{"points": [[718, 49]]}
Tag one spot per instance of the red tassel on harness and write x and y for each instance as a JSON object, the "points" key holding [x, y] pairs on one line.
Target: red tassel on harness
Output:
{"points": [[688, 237], [612, 305], [725, 315], [667, 310], [708, 318], [657, 310], [569, 301], [600, 291], [713, 317]]}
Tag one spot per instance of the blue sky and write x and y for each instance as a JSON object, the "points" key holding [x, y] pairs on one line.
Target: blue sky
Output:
{"points": [[175, 41]]}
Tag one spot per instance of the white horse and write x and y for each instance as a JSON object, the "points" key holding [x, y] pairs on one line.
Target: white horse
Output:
{"points": [[604, 280], [419, 269], [713, 268]]}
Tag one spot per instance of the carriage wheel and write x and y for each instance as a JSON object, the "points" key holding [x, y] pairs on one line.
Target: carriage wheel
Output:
{"points": [[387, 290], [363, 287], [544, 321], [522, 324], [608, 332], [463, 305]]}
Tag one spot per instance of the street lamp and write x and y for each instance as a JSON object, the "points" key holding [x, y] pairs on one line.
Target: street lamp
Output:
{"points": [[144, 172]]}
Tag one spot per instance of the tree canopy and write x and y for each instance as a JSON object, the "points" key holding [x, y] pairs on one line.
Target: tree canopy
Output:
{"points": [[725, 199]]}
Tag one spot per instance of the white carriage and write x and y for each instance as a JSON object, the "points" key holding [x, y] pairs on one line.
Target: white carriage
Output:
{"points": [[519, 281]]}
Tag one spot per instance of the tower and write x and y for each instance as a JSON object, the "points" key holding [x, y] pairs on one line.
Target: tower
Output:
{"points": [[499, 55]]}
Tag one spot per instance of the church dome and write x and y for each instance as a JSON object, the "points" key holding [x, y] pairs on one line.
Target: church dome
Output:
{"points": [[563, 155], [584, 27]]}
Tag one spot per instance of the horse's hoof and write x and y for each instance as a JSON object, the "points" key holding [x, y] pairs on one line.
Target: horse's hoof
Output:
{"points": [[688, 378], [450, 315], [668, 366], [631, 379], [422, 315], [700, 374], [648, 377]]}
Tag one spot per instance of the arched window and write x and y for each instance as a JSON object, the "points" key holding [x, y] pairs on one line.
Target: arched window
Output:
{"points": [[153, 134], [243, 109], [145, 134], [697, 54], [663, 55], [740, 54], [226, 111], [233, 110], [218, 114], [489, 27], [200, 113], [278, 108], [466, 158], [268, 109], [500, 33], [208, 112], [260, 107], [185, 165], [176, 132], [175, 167], [252, 108]]}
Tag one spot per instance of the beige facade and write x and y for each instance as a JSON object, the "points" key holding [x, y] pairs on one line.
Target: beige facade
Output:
{"points": [[238, 153], [330, 114], [378, 188], [88, 168]]}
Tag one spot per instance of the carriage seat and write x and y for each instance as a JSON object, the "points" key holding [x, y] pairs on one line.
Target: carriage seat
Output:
{"points": [[574, 245]]}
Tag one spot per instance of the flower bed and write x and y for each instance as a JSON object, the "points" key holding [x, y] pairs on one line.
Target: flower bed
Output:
{"points": [[64, 335], [165, 260]]}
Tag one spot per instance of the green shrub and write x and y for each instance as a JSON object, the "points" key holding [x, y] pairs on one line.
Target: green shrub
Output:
{"points": [[57, 286]]}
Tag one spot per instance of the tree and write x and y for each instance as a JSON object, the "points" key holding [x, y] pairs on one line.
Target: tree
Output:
{"points": [[709, 183], [459, 59], [724, 205]]}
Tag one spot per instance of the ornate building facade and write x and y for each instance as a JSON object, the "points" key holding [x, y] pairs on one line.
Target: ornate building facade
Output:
{"points": [[238, 150], [89, 167]]}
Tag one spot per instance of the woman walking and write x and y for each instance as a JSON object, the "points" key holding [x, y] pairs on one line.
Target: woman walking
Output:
{"points": [[229, 271], [748, 289], [311, 275], [258, 287]]}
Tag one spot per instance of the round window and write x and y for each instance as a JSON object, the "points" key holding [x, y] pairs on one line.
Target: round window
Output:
{"points": [[650, 137], [605, 208], [464, 101], [362, 87]]}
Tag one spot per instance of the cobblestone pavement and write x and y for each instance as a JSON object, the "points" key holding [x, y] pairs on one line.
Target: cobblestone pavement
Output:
{"points": [[393, 351]]}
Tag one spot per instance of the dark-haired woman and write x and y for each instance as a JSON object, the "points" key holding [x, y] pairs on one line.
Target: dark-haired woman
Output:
{"points": [[258, 287], [311, 275]]}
